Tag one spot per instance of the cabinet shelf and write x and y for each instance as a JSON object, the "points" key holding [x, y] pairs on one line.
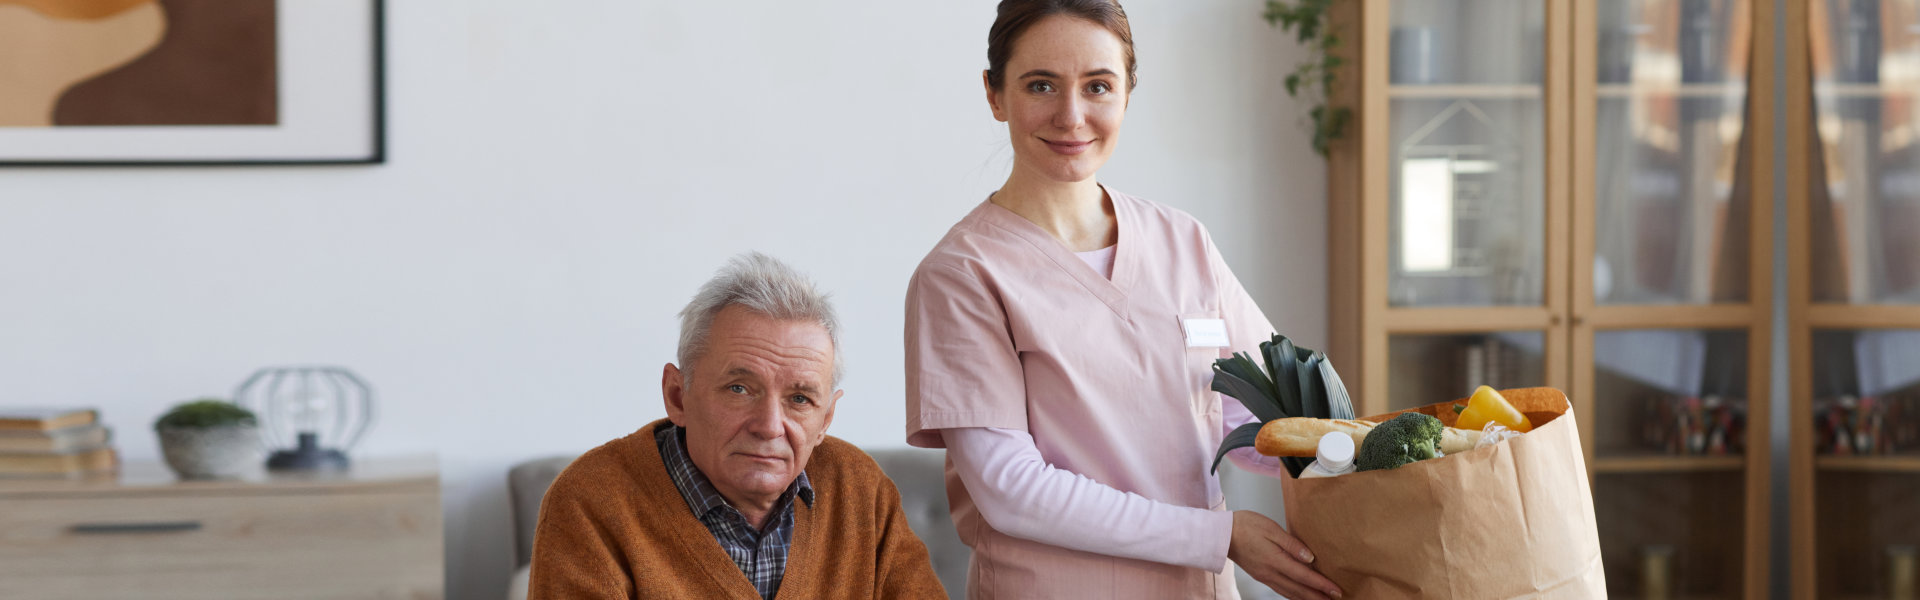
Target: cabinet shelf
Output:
{"points": [[1671, 316], [1862, 316], [1898, 463], [1863, 90], [1467, 319], [1456, 91], [1678, 90], [1666, 463]]}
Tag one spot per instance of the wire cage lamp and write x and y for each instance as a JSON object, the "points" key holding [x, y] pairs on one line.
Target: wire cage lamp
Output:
{"points": [[309, 415]]}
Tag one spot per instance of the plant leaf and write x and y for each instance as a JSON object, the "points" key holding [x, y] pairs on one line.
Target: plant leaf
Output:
{"points": [[1243, 366], [1303, 353], [1313, 395], [1285, 372], [1241, 437], [1264, 378], [1312, 24], [1257, 402], [1339, 403]]}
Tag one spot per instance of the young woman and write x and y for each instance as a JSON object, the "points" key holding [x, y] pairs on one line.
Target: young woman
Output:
{"points": [[1059, 344]]}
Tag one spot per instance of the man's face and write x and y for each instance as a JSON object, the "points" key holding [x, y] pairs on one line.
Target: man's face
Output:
{"points": [[759, 401]]}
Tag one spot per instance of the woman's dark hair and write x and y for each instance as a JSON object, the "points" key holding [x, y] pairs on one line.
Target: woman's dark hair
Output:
{"points": [[1018, 15]]}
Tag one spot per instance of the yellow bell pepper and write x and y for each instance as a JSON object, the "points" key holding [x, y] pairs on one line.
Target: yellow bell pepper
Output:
{"points": [[1486, 406]]}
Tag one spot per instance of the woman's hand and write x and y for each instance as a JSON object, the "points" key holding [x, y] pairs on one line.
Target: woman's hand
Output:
{"points": [[1274, 557]]}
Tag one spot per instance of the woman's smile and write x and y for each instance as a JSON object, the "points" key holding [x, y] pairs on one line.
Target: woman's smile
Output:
{"points": [[1068, 147]]}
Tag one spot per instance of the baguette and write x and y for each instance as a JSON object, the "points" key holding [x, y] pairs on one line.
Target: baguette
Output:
{"points": [[1300, 436]]}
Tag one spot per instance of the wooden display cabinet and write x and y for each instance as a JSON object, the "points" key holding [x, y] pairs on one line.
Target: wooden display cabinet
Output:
{"points": [[1854, 294], [1563, 193]]}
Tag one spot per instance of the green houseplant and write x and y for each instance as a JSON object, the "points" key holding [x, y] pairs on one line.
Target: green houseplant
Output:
{"points": [[209, 438], [1312, 25]]}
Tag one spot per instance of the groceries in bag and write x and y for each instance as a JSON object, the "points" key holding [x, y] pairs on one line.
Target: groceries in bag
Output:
{"points": [[1334, 458], [1404, 439], [1456, 525], [1300, 436], [1297, 382], [1488, 406]]}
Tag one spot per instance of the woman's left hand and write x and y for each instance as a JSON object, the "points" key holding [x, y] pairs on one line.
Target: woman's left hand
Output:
{"points": [[1274, 557]]}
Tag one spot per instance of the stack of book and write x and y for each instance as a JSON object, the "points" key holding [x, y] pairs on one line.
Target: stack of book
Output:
{"points": [[54, 442]]}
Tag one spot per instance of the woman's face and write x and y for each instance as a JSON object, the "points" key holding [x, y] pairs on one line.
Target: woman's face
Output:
{"points": [[1064, 97]]}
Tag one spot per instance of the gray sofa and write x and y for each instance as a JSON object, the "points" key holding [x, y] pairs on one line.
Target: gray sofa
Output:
{"points": [[918, 473]]}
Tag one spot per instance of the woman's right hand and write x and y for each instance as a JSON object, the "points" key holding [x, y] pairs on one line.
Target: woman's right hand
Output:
{"points": [[1274, 557]]}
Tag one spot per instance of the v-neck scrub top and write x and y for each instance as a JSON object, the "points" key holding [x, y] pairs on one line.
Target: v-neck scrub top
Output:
{"points": [[1008, 328]]}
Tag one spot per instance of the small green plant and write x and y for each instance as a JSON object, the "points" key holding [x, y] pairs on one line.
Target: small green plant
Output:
{"points": [[204, 413], [1312, 25]]}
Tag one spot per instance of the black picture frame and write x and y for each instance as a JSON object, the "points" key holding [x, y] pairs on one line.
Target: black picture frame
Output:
{"points": [[374, 151]]}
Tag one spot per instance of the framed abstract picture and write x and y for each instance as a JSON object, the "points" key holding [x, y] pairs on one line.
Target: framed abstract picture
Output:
{"points": [[173, 82]]}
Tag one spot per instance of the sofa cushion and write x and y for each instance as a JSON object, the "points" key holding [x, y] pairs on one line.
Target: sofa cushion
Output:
{"points": [[920, 474], [527, 482]]}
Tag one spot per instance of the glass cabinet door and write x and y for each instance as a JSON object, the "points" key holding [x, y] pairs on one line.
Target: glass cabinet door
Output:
{"points": [[1669, 460], [1866, 386], [1671, 199], [1429, 368], [1865, 195], [1670, 229], [1863, 201], [1467, 122]]}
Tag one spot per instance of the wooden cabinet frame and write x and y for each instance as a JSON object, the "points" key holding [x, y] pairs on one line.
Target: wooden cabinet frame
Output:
{"points": [[1805, 316], [1361, 319]]}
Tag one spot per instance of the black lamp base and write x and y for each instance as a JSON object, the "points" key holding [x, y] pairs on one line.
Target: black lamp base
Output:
{"points": [[309, 456]]}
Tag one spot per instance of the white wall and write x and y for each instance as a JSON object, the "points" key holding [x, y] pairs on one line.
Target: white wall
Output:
{"points": [[563, 175]]}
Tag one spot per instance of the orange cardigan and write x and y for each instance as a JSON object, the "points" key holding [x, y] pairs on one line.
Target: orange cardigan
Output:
{"points": [[614, 526]]}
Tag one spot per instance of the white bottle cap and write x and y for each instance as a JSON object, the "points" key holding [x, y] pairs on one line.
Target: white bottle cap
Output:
{"points": [[1336, 451]]}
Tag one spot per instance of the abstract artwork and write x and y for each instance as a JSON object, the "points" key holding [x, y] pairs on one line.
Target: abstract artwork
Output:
{"points": [[190, 82]]}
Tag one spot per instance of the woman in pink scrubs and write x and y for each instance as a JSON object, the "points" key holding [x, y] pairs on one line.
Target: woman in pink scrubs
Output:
{"points": [[1060, 342]]}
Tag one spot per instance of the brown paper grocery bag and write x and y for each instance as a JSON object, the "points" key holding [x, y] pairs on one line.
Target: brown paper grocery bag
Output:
{"points": [[1511, 520]]}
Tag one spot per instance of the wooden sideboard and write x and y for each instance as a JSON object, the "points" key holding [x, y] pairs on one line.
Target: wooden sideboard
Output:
{"points": [[371, 532]]}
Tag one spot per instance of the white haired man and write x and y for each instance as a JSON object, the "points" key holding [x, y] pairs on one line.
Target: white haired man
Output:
{"points": [[742, 459]]}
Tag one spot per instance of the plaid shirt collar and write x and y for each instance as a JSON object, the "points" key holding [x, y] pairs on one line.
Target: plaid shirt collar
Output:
{"points": [[699, 492], [760, 553]]}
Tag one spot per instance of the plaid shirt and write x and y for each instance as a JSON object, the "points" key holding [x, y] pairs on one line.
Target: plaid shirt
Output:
{"points": [[761, 555]]}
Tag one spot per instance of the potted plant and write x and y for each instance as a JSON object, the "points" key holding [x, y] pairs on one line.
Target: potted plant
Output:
{"points": [[1312, 23], [209, 438]]}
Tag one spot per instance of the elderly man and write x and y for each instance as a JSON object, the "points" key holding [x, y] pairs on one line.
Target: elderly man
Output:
{"points": [[739, 492]]}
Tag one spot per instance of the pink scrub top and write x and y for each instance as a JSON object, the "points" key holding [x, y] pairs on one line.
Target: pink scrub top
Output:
{"points": [[1008, 328]]}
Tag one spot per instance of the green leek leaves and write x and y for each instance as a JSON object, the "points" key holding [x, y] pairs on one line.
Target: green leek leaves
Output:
{"points": [[1297, 382]]}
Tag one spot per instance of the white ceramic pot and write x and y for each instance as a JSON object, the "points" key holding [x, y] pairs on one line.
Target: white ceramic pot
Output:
{"points": [[224, 452]]}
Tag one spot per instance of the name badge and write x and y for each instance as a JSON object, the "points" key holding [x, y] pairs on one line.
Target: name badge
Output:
{"points": [[1205, 333]]}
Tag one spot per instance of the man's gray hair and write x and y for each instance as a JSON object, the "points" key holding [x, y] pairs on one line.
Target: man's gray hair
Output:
{"points": [[764, 285]]}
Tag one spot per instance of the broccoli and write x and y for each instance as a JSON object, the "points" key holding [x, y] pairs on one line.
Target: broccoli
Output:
{"points": [[1401, 440]]}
